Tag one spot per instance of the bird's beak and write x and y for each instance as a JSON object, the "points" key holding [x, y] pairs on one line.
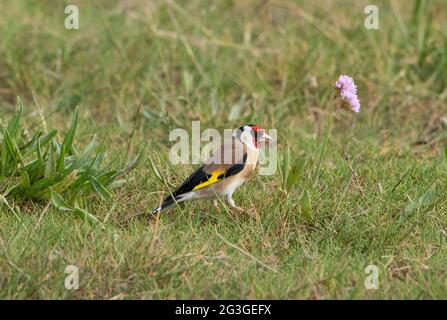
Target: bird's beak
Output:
{"points": [[266, 137]]}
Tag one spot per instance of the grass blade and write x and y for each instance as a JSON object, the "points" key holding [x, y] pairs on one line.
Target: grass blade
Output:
{"points": [[14, 125], [155, 170], [68, 141], [286, 166]]}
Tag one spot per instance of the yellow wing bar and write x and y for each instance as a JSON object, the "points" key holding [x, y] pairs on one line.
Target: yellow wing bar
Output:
{"points": [[211, 180]]}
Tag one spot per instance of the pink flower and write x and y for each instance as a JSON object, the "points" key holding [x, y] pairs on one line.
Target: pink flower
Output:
{"points": [[347, 91]]}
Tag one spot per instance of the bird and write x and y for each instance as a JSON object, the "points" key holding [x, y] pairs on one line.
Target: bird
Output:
{"points": [[224, 171]]}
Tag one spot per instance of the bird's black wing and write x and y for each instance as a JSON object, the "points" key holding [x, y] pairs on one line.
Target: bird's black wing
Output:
{"points": [[206, 176], [198, 177]]}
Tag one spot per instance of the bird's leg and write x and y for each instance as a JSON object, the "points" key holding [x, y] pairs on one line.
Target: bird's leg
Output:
{"points": [[229, 200], [216, 205]]}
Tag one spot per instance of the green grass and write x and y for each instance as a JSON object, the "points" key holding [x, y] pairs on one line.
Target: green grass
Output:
{"points": [[138, 70], [40, 168]]}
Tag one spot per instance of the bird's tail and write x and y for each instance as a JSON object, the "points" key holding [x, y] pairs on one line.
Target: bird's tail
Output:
{"points": [[169, 201]]}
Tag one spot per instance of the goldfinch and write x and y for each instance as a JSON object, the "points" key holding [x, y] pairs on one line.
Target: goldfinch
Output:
{"points": [[223, 172]]}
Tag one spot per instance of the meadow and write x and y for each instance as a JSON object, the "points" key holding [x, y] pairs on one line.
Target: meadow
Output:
{"points": [[136, 70]]}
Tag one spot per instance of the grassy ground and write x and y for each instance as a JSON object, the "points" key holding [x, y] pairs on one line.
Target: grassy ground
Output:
{"points": [[138, 70]]}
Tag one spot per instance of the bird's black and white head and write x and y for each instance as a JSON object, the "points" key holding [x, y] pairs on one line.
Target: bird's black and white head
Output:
{"points": [[251, 135]]}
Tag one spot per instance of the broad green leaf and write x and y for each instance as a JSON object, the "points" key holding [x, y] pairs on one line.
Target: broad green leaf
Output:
{"points": [[68, 141], [98, 161], [50, 168], [39, 189], [279, 167], [306, 206], [42, 143], [82, 179], [25, 179], [60, 166], [59, 202], [39, 156], [79, 163], [11, 146], [90, 147], [100, 189], [87, 216], [65, 183], [49, 137], [85, 165], [109, 177], [13, 189], [5, 155], [295, 173], [105, 176], [30, 143]]}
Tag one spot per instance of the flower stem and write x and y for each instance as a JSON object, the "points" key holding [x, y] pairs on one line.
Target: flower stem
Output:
{"points": [[325, 141]]}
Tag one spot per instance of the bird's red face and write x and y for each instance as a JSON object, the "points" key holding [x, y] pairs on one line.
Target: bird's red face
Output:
{"points": [[257, 133]]}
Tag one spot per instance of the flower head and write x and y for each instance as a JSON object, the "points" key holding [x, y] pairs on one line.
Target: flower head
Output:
{"points": [[347, 91], [351, 100]]}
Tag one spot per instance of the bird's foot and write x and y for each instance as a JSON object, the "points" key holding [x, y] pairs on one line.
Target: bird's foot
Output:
{"points": [[235, 211], [252, 213], [216, 205]]}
